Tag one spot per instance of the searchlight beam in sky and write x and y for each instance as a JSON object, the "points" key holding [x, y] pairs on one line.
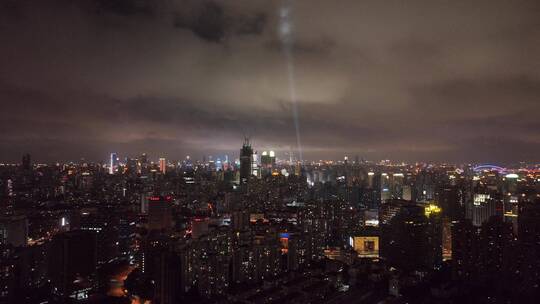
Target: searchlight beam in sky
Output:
{"points": [[286, 36]]}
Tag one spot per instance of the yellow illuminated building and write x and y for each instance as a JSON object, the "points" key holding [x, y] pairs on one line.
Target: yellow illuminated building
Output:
{"points": [[432, 209], [367, 246]]}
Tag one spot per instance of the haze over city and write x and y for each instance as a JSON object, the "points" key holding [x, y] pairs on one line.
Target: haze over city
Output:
{"points": [[414, 81]]}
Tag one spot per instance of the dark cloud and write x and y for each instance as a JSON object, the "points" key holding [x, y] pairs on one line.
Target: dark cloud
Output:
{"points": [[420, 80], [210, 21], [485, 97], [207, 22], [252, 25], [125, 7]]}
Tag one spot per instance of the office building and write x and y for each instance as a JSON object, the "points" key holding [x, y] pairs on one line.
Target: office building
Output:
{"points": [[160, 213], [14, 230], [72, 261], [113, 163], [246, 158], [162, 165], [26, 162]]}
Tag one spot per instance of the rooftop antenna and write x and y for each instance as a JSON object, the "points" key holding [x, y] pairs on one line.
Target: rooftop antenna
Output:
{"points": [[246, 140]]}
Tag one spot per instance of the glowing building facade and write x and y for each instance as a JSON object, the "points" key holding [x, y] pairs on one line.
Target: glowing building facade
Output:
{"points": [[162, 165], [113, 163]]}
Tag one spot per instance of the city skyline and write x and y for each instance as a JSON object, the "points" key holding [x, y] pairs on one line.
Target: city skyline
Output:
{"points": [[282, 157], [263, 230], [269, 151], [417, 82]]}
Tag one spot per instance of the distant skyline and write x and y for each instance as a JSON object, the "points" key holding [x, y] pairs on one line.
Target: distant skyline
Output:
{"points": [[280, 156], [402, 80]]}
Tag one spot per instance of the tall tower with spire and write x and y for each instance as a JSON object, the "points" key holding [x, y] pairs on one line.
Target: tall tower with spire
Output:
{"points": [[246, 155]]}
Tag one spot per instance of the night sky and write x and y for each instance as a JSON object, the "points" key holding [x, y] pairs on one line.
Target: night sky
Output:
{"points": [[405, 80]]}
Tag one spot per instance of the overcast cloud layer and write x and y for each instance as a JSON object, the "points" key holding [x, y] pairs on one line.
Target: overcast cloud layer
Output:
{"points": [[406, 80]]}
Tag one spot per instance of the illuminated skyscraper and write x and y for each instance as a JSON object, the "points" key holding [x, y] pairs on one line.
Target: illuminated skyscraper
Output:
{"points": [[246, 155], [113, 163], [162, 165], [397, 186], [298, 169], [268, 161], [385, 187], [131, 166], [511, 199], [265, 159], [484, 206], [219, 164], [370, 180], [255, 170], [272, 157], [511, 183], [144, 158]]}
